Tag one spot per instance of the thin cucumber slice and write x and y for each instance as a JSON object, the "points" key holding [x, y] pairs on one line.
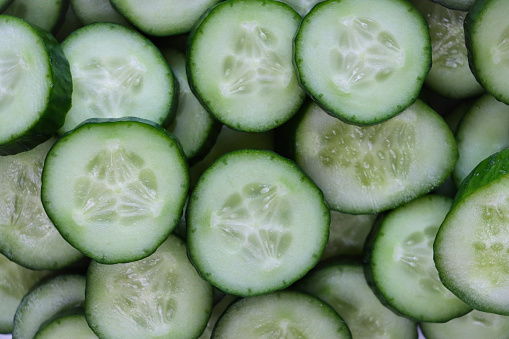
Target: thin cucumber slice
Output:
{"points": [[15, 282], [450, 74], [348, 233], [363, 61], [115, 189], [343, 286], [35, 86], [27, 235], [460, 5], [487, 39], [117, 73], [163, 17], [369, 169], [47, 14], [399, 262], [482, 132], [161, 296], [475, 324], [198, 140], [256, 223], [240, 64], [58, 295], [471, 247], [90, 11], [72, 326], [281, 315]]}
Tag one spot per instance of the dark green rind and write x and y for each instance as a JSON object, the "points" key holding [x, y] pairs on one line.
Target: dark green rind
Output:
{"points": [[476, 11], [4, 4], [195, 31], [337, 112], [77, 245], [200, 265], [58, 101]]}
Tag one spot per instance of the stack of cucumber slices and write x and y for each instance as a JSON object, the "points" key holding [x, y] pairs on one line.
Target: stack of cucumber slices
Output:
{"points": [[254, 169]]}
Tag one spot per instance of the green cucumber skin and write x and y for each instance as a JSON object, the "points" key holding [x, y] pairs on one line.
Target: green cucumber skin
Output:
{"points": [[339, 115], [59, 100], [4, 4]]}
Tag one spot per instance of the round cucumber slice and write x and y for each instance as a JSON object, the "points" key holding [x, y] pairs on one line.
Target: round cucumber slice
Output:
{"points": [[161, 296], [471, 247], [35, 85], [487, 39], [281, 315], [255, 223], [363, 61], [115, 189], [71, 326], [47, 15], [117, 73], [369, 169], [240, 64]]}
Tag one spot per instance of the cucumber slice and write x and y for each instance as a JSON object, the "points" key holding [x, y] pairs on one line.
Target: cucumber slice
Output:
{"points": [[343, 286], [369, 169], [460, 5], [399, 262], [487, 39], [90, 11], [240, 64], [58, 295], [161, 296], [47, 14], [117, 73], [363, 61], [163, 17], [15, 282], [256, 223], [69, 25], [482, 132], [35, 86], [281, 315], [126, 192], [450, 74], [471, 247], [72, 326], [475, 324], [198, 140], [27, 235]]}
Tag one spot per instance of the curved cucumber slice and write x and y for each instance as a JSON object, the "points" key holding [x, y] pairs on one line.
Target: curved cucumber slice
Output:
{"points": [[369, 169], [161, 296], [61, 294], [15, 282], [117, 73], [255, 223], [47, 15], [126, 192], [471, 247], [487, 38], [90, 11], [399, 262], [363, 61], [35, 85], [72, 326], [163, 17], [281, 315], [240, 64], [27, 235]]}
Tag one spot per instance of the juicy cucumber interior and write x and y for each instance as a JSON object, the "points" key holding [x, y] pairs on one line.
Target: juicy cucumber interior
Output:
{"points": [[25, 77]]}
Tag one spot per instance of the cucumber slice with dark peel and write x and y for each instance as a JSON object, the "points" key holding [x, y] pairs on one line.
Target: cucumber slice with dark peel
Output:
{"points": [[15, 282], [27, 235], [471, 247], [487, 40], [161, 296], [115, 189], [369, 169], [53, 298], [48, 14], [90, 11], [363, 61], [282, 314], [72, 326], [35, 86], [117, 73]]}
